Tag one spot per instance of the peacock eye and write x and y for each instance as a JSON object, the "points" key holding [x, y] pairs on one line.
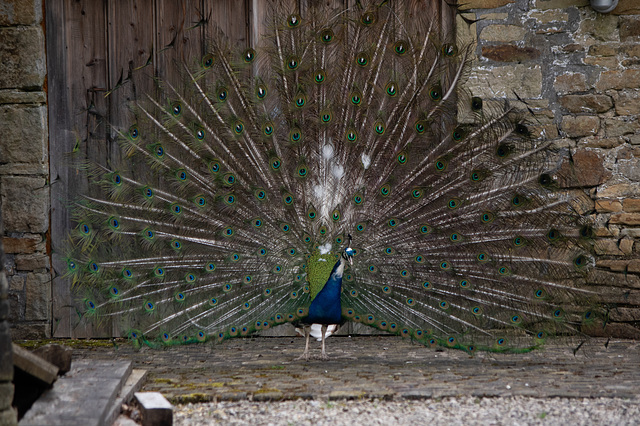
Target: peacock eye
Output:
{"points": [[449, 50], [293, 20], [249, 55], [293, 63], [261, 92], [400, 47], [476, 104], [207, 61], [326, 35], [362, 59], [391, 89], [368, 18], [319, 76], [435, 93]]}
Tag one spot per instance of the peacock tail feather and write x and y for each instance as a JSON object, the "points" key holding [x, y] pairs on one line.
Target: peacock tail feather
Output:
{"points": [[241, 182]]}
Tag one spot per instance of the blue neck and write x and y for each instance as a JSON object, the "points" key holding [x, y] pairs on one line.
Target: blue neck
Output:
{"points": [[326, 307]]}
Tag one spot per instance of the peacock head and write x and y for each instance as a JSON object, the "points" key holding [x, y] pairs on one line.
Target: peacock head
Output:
{"points": [[348, 252]]}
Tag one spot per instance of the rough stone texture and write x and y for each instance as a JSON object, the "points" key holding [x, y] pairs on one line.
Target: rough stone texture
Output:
{"points": [[484, 4], [504, 33], [570, 82], [559, 4], [10, 96], [601, 50], [583, 170], [30, 330], [58, 355], [31, 262], [618, 80], [23, 62], [582, 125], [6, 395], [501, 81], [155, 409], [510, 53], [6, 355], [25, 202], [630, 168], [619, 191], [27, 244], [550, 16], [24, 134], [632, 205], [38, 297], [607, 247], [632, 219], [8, 415], [601, 27], [586, 103], [627, 102], [20, 12], [619, 126], [608, 206], [629, 28]]}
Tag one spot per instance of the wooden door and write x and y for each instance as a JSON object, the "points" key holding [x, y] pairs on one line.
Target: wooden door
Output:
{"points": [[92, 47]]}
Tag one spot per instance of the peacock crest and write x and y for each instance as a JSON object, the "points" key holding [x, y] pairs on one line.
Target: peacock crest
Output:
{"points": [[340, 163]]}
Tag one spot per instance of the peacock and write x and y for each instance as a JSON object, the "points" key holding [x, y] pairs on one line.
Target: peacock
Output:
{"points": [[338, 171]]}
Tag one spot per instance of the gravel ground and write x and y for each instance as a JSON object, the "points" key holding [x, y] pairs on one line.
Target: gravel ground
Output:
{"points": [[449, 411]]}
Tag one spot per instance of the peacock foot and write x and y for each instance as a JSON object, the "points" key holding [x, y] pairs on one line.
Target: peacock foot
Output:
{"points": [[324, 356], [304, 356]]}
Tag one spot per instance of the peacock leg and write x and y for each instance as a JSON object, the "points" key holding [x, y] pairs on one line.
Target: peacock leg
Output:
{"points": [[324, 331], [305, 354]]}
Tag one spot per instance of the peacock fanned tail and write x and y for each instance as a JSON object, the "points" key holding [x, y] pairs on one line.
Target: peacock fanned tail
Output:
{"points": [[242, 181]]}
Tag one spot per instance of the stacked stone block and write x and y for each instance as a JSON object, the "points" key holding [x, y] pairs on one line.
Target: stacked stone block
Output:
{"points": [[24, 167], [579, 72]]}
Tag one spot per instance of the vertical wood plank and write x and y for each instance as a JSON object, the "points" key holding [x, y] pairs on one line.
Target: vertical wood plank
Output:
{"points": [[76, 79]]}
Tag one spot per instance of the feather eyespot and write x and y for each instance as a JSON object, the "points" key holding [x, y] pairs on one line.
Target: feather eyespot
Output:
{"points": [[476, 104], [435, 93], [222, 94], [292, 63], [176, 109], [326, 35], [391, 89], [295, 135], [319, 76], [293, 20], [208, 61], [261, 91], [449, 50], [368, 18], [400, 47], [249, 55], [134, 134]]}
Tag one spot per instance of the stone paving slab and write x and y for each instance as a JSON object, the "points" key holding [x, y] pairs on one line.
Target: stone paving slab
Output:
{"points": [[370, 367], [83, 396]]}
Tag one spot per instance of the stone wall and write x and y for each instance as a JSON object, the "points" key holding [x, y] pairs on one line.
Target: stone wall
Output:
{"points": [[24, 167], [579, 73]]}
